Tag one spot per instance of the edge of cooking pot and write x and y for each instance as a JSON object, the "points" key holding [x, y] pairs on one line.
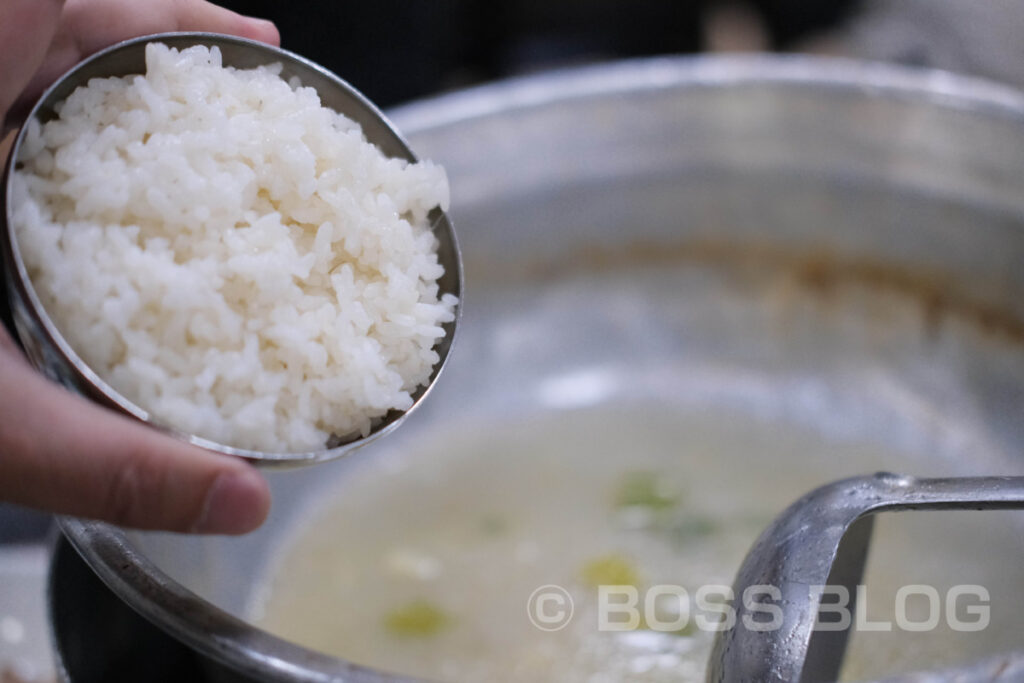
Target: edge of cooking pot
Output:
{"points": [[658, 73], [196, 622]]}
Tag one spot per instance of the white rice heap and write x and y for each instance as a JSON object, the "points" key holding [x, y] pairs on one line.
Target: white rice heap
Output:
{"points": [[230, 255]]}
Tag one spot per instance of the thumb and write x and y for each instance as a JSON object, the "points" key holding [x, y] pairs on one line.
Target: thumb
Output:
{"points": [[26, 28], [62, 453], [199, 15], [86, 26]]}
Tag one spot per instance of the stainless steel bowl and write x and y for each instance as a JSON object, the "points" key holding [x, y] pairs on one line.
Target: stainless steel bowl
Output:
{"points": [[831, 243], [43, 341]]}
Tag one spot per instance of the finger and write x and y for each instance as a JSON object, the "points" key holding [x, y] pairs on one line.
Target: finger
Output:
{"points": [[88, 26], [61, 453], [26, 29], [196, 15], [95, 24]]}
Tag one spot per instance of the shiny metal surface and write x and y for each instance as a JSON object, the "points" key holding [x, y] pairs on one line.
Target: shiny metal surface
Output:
{"points": [[822, 540], [46, 346], [226, 640], [829, 244]]}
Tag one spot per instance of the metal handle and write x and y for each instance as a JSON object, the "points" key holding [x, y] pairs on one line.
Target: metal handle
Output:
{"points": [[822, 540]]}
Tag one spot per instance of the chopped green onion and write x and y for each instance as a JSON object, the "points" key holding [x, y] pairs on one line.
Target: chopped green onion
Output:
{"points": [[645, 490], [418, 619], [610, 570]]}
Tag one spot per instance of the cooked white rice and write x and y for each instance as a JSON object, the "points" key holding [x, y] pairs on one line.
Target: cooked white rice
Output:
{"points": [[230, 255]]}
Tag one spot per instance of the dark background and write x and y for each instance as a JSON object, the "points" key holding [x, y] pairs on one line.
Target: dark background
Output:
{"points": [[397, 50]]}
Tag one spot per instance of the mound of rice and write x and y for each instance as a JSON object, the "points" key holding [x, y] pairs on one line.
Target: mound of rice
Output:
{"points": [[230, 255]]}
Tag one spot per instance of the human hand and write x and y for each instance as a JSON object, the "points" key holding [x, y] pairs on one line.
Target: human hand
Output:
{"points": [[58, 451], [42, 39]]}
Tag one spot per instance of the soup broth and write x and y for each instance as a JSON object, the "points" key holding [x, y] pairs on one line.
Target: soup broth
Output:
{"points": [[435, 561]]}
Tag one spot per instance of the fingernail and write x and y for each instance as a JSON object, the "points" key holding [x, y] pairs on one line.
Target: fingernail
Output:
{"points": [[264, 24], [236, 503], [264, 30]]}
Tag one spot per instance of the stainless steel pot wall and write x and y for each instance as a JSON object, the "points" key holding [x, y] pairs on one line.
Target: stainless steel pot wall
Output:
{"points": [[908, 185]]}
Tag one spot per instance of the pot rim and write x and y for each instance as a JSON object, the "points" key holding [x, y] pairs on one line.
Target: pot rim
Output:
{"points": [[634, 76]]}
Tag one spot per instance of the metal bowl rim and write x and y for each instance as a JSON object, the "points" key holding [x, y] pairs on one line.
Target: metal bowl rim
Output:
{"points": [[25, 288]]}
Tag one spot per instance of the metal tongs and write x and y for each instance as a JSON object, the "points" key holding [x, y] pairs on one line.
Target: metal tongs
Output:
{"points": [[822, 540]]}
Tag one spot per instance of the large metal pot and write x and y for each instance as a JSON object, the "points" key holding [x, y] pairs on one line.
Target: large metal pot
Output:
{"points": [[907, 186]]}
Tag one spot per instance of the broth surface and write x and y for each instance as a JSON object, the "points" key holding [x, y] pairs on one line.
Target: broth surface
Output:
{"points": [[422, 562]]}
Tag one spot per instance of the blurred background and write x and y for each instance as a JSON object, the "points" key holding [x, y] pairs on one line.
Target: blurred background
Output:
{"points": [[398, 50]]}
